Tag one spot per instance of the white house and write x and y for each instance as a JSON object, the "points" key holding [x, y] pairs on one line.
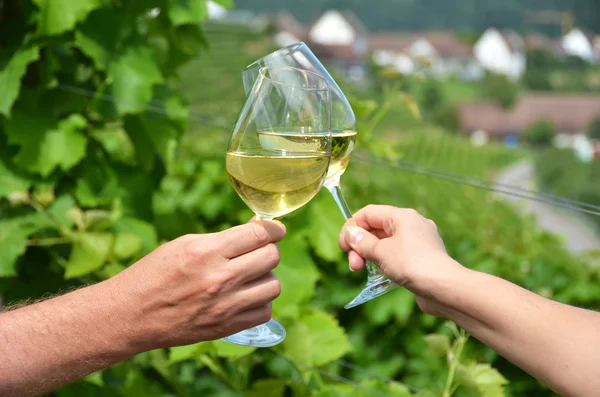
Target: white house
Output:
{"points": [[501, 52], [578, 43], [288, 30], [439, 54], [339, 37]]}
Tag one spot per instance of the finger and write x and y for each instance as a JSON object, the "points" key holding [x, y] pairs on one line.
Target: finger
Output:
{"points": [[375, 216], [256, 293], [362, 242], [355, 261], [248, 237], [253, 264], [250, 318]]}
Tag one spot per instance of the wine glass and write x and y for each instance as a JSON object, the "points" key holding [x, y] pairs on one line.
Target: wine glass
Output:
{"points": [[343, 124], [278, 156]]}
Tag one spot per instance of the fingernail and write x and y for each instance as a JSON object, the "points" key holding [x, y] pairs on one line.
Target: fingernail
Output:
{"points": [[280, 224], [356, 234]]}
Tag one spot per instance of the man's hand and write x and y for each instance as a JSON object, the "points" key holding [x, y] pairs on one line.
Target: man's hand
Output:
{"points": [[205, 287], [195, 288]]}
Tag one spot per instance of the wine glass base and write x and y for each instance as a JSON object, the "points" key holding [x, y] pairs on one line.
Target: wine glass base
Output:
{"points": [[376, 286], [265, 335]]}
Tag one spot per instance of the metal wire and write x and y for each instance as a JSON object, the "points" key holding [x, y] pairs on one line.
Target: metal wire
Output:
{"points": [[350, 382], [157, 106], [364, 371], [557, 202]]}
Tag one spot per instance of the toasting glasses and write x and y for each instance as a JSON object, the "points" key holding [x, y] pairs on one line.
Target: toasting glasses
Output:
{"points": [[278, 156], [343, 123]]}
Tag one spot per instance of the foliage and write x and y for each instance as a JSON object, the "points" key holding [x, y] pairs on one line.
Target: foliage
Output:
{"points": [[431, 95], [500, 89], [98, 166], [594, 129], [447, 117], [539, 65], [541, 133]]}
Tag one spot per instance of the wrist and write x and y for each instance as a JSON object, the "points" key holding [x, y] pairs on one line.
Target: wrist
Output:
{"points": [[445, 290], [124, 310]]}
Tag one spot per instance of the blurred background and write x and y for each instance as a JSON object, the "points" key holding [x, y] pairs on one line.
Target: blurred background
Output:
{"points": [[484, 116]]}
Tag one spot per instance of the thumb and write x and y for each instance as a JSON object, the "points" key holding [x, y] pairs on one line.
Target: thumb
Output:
{"points": [[362, 242]]}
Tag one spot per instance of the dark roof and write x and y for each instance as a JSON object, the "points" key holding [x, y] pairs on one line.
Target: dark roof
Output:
{"points": [[285, 22], [446, 44], [571, 113], [360, 28], [542, 42], [514, 40]]}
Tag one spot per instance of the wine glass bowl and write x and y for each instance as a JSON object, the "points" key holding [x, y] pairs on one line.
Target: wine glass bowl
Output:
{"points": [[343, 124], [278, 156]]}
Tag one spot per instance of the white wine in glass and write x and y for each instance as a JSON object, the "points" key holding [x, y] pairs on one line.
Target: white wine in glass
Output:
{"points": [[278, 156], [343, 124]]}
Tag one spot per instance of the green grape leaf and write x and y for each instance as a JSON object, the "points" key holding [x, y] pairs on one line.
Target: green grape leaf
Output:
{"points": [[438, 344], [89, 253], [298, 276], [267, 388], [95, 379], [44, 145], [338, 390], [133, 76], [116, 142], [11, 75], [182, 353], [398, 305], [11, 182], [59, 212], [481, 377], [297, 345], [326, 222], [411, 105], [126, 245], [183, 12], [13, 243], [145, 230], [329, 341], [99, 36], [150, 135], [98, 184], [59, 16], [229, 350]]}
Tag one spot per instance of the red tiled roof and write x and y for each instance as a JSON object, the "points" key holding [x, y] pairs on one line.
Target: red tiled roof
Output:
{"points": [[570, 113], [446, 44]]}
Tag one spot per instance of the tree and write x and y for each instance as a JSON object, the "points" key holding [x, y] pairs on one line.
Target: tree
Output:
{"points": [[432, 96], [594, 129], [541, 133], [447, 117], [539, 65], [500, 89]]}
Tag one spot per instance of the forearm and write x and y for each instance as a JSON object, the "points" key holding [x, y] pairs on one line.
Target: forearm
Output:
{"points": [[556, 343], [49, 344]]}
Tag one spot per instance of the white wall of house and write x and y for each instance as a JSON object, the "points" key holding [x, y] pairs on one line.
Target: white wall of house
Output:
{"points": [[576, 43], [494, 54], [284, 39], [332, 29]]}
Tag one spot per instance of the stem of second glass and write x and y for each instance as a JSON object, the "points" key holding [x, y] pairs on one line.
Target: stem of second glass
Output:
{"points": [[336, 191]]}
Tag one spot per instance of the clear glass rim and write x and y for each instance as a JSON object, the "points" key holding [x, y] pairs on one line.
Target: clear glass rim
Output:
{"points": [[326, 88], [287, 49]]}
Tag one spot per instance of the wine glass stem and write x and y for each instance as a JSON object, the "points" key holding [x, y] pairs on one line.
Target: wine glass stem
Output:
{"points": [[336, 191]]}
